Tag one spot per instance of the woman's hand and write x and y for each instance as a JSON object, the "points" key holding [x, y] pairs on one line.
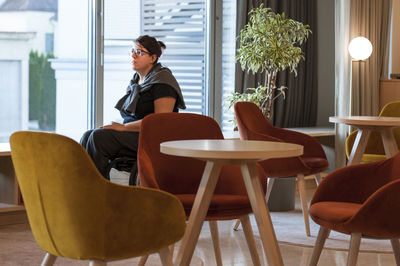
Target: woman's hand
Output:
{"points": [[161, 105], [115, 126]]}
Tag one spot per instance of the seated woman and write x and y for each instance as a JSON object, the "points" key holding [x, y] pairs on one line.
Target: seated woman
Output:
{"points": [[153, 89]]}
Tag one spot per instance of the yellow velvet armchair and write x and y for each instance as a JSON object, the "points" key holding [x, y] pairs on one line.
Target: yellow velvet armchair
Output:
{"points": [[375, 150], [75, 213]]}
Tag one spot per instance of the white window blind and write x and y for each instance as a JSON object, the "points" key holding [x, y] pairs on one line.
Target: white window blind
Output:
{"points": [[181, 25]]}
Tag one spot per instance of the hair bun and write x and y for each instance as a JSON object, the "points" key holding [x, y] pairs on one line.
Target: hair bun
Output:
{"points": [[162, 45], [153, 46]]}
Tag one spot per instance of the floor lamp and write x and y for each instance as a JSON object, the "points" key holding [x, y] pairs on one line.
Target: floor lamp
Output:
{"points": [[360, 49]]}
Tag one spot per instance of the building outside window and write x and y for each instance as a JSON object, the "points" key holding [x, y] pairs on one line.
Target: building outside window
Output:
{"points": [[27, 82], [49, 43]]}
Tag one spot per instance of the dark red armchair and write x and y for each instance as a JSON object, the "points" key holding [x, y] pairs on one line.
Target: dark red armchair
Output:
{"points": [[252, 125], [359, 200], [181, 176]]}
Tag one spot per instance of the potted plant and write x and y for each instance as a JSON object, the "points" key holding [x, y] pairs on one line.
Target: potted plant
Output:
{"points": [[269, 43]]}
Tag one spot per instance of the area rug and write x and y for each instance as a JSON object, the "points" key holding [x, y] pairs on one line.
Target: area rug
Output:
{"points": [[18, 247], [289, 229]]}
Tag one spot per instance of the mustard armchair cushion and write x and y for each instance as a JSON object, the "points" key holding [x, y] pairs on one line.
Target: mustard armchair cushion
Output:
{"points": [[74, 212]]}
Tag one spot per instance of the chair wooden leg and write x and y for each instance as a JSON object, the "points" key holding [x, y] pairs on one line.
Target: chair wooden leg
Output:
{"points": [[318, 178], [319, 244], [165, 256], [396, 250], [133, 176], [97, 263], [236, 225], [215, 239], [270, 184], [171, 248], [48, 259], [143, 260], [251, 243], [353, 249], [304, 204]]}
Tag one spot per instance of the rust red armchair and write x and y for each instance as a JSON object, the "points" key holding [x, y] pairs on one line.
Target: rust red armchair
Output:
{"points": [[252, 125], [181, 176], [360, 200]]}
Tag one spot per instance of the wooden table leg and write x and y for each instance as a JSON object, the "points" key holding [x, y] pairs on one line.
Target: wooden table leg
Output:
{"points": [[198, 213], [261, 213], [360, 143], [389, 142]]}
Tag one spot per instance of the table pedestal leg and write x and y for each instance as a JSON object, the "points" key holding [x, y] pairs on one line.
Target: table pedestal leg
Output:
{"points": [[261, 213], [360, 143], [198, 213], [389, 142]]}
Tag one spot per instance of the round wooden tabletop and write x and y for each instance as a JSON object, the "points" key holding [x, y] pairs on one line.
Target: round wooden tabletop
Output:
{"points": [[231, 149], [367, 120]]}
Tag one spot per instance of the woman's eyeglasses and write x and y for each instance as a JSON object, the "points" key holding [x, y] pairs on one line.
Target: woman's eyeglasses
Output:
{"points": [[138, 52]]}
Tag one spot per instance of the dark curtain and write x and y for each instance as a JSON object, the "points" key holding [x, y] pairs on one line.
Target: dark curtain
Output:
{"points": [[299, 108]]}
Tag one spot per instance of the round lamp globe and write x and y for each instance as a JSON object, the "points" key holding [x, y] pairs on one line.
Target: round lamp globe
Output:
{"points": [[360, 48]]}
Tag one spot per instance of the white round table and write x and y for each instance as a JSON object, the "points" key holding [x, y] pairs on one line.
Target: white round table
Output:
{"points": [[217, 153]]}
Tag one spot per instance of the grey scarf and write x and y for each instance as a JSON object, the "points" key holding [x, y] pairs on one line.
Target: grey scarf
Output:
{"points": [[157, 75]]}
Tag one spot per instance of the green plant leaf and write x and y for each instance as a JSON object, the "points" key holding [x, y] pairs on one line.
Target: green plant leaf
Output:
{"points": [[269, 43]]}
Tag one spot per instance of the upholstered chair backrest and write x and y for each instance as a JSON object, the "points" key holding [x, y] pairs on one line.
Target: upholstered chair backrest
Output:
{"points": [[386, 171], [74, 212], [175, 174], [392, 109], [368, 203], [58, 181], [250, 119]]}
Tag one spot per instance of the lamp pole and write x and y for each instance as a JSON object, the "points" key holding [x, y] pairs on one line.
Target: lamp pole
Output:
{"points": [[359, 86], [360, 48]]}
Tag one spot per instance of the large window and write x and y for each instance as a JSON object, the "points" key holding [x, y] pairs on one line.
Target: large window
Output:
{"points": [[43, 64], [11, 118], [182, 26], [121, 27], [185, 27], [228, 52], [45, 51]]}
